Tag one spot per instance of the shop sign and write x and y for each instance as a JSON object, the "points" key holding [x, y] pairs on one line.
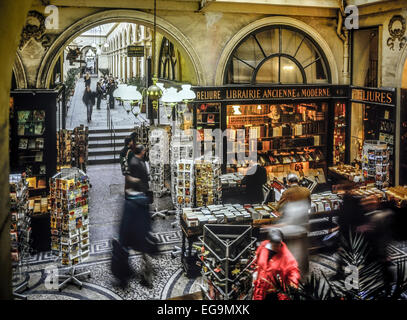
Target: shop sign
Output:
{"points": [[135, 51], [262, 93], [373, 96]]}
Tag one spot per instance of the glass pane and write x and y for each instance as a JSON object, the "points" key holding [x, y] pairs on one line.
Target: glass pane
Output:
{"points": [[290, 42], [269, 41], [290, 73], [357, 137], [250, 52], [241, 73], [268, 72]]}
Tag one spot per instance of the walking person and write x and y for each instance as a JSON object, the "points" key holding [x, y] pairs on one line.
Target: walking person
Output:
{"points": [[87, 79], [99, 93], [111, 89], [135, 226], [89, 101]]}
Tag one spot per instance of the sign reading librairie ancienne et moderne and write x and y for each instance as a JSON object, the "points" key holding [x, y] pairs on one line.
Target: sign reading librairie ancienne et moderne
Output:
{"points": [[267, 93], [135, 51]]}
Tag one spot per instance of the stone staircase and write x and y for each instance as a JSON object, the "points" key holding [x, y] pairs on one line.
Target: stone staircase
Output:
{"points": [[101, 150]]}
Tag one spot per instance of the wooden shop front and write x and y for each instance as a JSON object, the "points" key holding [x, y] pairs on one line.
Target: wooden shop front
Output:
{"points": [[294, 125]]}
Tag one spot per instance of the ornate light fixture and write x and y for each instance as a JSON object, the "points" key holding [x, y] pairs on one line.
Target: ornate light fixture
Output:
{"points": [[170, 99], [154, 92]]}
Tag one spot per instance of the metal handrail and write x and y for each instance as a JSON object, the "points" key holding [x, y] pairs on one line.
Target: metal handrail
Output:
{"points": [[112, 132]]}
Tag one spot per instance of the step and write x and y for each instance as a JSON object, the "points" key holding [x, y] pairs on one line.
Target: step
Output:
{"points": [[104, 151], [105, 130], [106, 136], [94, 160], [104, 144]]}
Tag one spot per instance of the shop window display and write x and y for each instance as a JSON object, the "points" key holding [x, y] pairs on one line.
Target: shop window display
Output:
{"points": [[290, 137], [370, 122]]}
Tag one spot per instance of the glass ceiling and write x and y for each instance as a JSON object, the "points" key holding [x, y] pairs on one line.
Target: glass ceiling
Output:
{"points": [[101, 30]]}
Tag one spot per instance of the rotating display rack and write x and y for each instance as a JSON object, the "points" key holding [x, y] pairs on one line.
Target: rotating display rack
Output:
{"points": [[375, 163], [227, 254], [70, 221], [20, 233]]}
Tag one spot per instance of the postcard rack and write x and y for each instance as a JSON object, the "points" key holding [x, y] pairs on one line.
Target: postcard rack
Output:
{"points": [[70, 222], [227, 254], [208, 188], [158, 159], [375, 163], [20, 233], [80, 147], [182, 148]]}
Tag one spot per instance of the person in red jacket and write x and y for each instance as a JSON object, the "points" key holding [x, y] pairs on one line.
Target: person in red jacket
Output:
{"points": [[274, 260]]}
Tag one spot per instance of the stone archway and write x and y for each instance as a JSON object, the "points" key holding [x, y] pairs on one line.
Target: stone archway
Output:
{"points": [[109, 16], [19, 72], [269, 21], [401, 65]]}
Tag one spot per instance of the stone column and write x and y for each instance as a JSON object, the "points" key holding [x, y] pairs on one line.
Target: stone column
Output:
{"points": [[13, 15]]}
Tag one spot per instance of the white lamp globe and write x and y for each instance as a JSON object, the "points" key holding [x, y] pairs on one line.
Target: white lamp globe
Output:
{"points": [[186, 93], [119, 91], [130, 93], [171, 96]]}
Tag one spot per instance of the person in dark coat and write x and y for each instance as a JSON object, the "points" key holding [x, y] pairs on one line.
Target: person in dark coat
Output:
{"points": [[89, 101], [254, 179], [99, 93], [87, 79], [135, 226], [111, 88]]}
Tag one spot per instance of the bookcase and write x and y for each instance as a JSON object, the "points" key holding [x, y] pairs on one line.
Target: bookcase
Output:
{"points": [[290, 137], [33, 136], [33, 150]]}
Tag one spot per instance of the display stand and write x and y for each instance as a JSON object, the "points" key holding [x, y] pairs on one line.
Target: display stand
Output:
{"points": [[227, 256], [80, 147], [20, 233], [182, 147], [375, 163], [70, 222], [208, 189], [158, 157]]}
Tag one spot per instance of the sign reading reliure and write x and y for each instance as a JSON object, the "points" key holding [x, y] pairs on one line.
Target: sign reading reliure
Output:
{"points": [[263, 93], [374, 96]]}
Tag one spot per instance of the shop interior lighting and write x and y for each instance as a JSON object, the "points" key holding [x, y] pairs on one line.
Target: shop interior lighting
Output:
{"points": [[236, 110]]}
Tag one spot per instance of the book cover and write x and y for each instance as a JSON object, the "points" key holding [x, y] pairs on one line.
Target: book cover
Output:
{"points": [[31, 144], [39, 143], [23, 116], [23, 144], [39, 128], [39, 115], [20, 129], [38, 156]]}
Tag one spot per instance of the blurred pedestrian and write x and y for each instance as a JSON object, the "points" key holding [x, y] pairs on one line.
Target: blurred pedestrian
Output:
{"points": [[99, 93], [89, 101], [87, 79], [135, 226], [274, 262]]}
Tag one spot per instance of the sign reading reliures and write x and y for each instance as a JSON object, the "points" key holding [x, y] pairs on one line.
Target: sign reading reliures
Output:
{"points": [[373, 96], [261, 93], [135, 51]]}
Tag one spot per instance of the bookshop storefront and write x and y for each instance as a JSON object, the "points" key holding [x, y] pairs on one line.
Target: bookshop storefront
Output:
{"points": [[305, 129], [292, 124]]}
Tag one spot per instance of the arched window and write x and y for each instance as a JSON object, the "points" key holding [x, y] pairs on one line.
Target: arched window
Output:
{"points": [[277, 54], [131, 35], [167, 60], [125, 38]]}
